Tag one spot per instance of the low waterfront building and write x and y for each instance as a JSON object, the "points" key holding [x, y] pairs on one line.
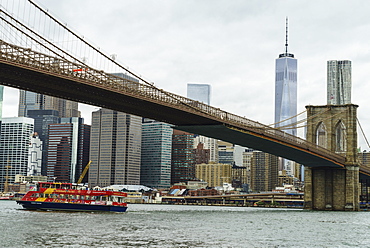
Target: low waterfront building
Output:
{"points": [[202, 192], [30, 179]]}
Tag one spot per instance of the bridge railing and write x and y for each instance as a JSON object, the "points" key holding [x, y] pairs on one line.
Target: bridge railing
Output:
{"points": [[65, 68]]}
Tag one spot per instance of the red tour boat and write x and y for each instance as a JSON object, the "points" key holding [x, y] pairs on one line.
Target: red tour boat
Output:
{"points": [[68, 197]]}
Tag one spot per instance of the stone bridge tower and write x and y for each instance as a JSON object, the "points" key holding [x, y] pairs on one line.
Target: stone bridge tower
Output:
{"points": [[334, 128]]}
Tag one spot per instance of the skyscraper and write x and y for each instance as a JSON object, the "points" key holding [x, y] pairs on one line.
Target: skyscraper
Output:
{"points": [[339, 82], [34, 101], [68, 148], [202, 93], [35, 156], [183, 157], [264, 171], [115, 148], [42, 120], [15, 139], [199, 92], [156, 147], [286, 96], [286, 89]]}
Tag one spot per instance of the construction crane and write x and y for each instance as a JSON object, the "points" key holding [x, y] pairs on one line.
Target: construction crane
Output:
{"points": [[84, 172]]}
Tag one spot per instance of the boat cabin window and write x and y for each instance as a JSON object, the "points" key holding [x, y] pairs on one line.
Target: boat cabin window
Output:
{"points": [[82, 197]]}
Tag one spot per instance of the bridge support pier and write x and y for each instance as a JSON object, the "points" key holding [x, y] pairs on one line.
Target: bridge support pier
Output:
{"points": [[336, 188], [332, 188]]}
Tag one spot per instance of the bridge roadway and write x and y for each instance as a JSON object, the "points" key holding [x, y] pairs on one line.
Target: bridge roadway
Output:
{"points": [[51, 75]]}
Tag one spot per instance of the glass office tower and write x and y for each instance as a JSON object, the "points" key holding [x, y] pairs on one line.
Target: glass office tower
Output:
{"points": [[286, 90], [286, 97], [199, 92], [156, 148]]}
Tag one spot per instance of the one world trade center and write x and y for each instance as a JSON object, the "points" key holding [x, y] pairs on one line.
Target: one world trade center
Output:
{"points": [[286, 93]]}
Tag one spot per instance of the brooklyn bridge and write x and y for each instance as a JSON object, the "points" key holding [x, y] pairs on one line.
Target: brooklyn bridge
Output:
{"points": [[32, 60]]}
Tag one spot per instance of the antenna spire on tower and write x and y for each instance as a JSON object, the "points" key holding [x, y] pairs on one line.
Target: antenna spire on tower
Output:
{"points": [[286, 54], [286, 35]]}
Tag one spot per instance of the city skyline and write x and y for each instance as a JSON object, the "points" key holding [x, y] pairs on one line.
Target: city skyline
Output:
{"points": [[230, 52]]}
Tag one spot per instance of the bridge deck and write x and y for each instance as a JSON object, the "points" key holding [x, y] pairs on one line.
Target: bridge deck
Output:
{"points": [[25, 69]]}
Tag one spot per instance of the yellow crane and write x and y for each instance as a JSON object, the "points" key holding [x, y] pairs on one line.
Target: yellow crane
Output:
{"points": [[84, 172]]}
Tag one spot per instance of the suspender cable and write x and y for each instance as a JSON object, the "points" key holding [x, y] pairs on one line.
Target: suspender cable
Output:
{"points": [[362, 131]]}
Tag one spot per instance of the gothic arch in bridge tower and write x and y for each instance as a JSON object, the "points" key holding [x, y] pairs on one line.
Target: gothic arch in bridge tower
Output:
{"points": [[321, 135], [340, 137]]}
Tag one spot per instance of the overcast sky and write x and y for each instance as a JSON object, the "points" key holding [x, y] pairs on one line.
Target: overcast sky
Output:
{"points": [[231, 45]]}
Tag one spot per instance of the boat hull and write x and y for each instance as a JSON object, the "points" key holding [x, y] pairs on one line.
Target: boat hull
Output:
{"points": [[36, 205]]}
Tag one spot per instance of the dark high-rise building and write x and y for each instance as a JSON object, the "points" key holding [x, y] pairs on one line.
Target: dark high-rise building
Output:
{"points": [[115, 148], [264, 171], [156, 147], [183, 159], [42, 120], [68, 149]]}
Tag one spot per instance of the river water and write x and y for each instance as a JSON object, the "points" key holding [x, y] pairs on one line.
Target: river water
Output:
{"points": [[183, 226]]}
